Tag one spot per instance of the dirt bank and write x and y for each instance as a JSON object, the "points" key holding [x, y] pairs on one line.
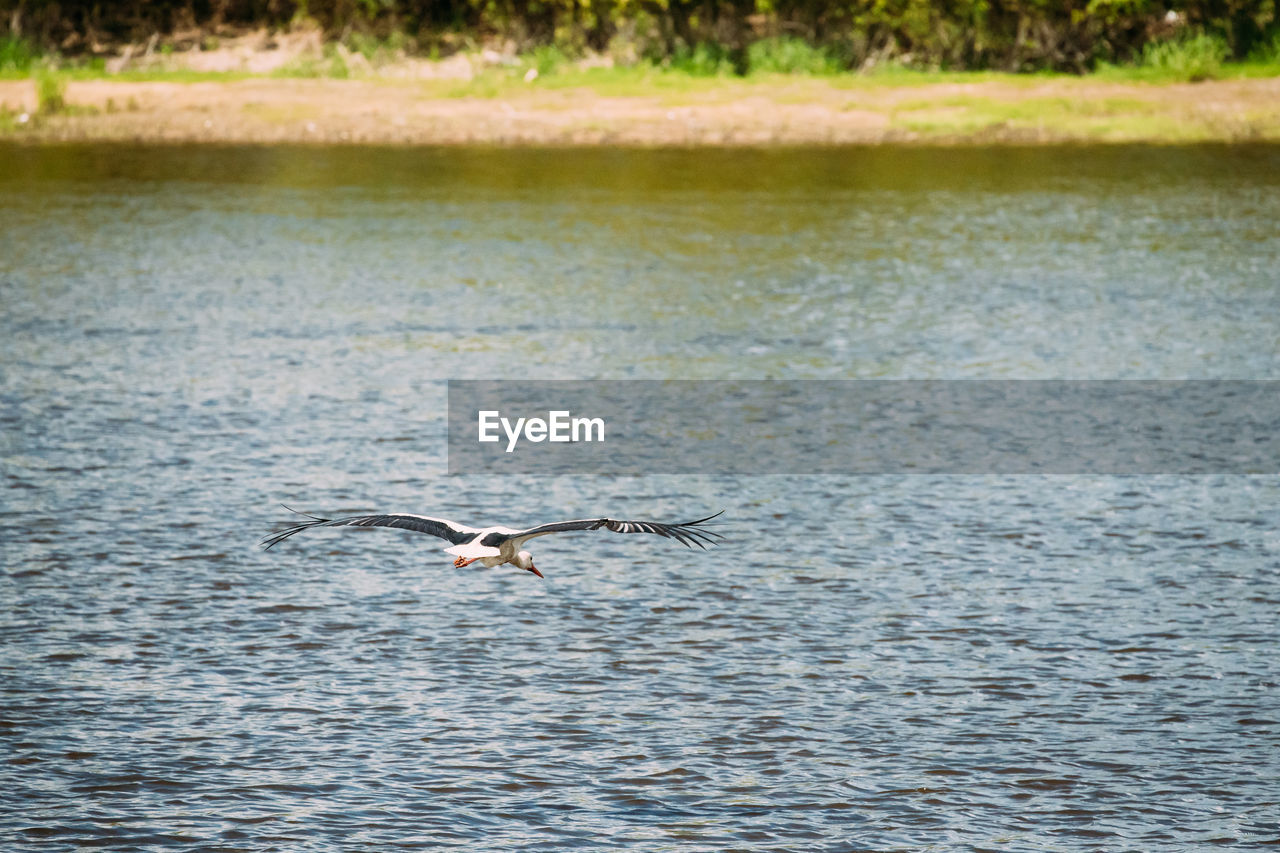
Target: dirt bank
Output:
{"points": [[731, 112]]}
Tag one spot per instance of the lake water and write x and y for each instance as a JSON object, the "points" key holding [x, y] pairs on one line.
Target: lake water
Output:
{"points": [[192, 336]]}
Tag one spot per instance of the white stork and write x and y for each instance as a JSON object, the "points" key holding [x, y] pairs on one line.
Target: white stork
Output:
{"points": [[493, 546]]}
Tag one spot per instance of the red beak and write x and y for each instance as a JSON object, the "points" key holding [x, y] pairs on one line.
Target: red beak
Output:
{"points": [[538, 573]]}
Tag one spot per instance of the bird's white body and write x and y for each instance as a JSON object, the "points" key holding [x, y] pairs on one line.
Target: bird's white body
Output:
{"points": [[485, 555]]}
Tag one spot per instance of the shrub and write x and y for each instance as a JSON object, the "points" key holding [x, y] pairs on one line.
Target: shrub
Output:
{"points": [[790, 55], [17, 55], [51, 91], [705, 59], [1196, 57], [546, 59], [1267, 52]]}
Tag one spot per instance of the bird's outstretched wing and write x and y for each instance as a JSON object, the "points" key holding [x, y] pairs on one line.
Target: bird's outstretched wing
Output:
{"points": [[687, 533], [443, 528]]}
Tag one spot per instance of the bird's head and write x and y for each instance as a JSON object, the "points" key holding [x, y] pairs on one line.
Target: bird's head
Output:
{"points": [[525, 561]]}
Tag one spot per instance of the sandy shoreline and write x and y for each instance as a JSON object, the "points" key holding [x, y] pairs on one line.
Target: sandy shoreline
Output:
{"points": [[800, 112]]}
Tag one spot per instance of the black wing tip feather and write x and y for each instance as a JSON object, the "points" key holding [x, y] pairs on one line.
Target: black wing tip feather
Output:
{"points": [[300, 512], [279, 536], [687, 533], [690, 533]]}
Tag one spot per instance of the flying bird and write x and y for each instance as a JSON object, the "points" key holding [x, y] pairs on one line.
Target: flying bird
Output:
{"points": [[493, 546]]}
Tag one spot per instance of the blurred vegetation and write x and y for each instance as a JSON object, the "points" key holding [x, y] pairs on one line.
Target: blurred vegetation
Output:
{"points": [[17, 54], [1173, 39], [1199, 57], [51, 93]]}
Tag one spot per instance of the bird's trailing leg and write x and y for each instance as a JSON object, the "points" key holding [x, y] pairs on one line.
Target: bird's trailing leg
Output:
{"points": [[462, 563]]}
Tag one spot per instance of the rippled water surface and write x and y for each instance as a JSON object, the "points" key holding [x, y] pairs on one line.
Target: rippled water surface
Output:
{"points": [[193, 336]]}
